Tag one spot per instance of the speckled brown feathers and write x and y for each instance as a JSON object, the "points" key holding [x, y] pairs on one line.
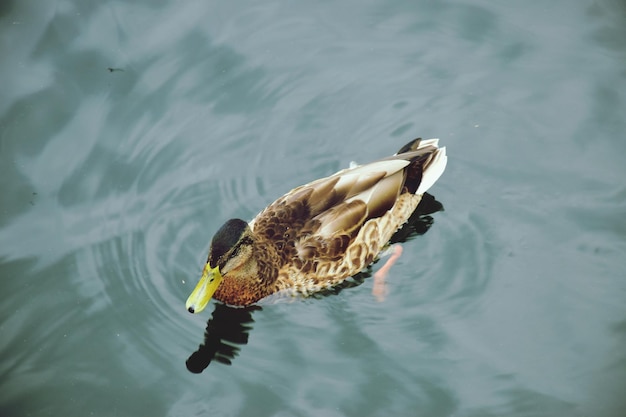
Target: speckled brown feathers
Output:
{"points": [[321, 233]]}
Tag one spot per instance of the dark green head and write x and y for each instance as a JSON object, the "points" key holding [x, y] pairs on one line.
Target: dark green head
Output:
{"points": [[231, 248], [226, 242]]}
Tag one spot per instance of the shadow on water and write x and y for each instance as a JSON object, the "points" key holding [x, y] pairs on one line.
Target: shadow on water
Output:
{"points": [[229, 327]]}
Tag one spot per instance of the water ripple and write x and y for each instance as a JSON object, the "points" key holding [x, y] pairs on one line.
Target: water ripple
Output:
{"points": [[444, 272]]}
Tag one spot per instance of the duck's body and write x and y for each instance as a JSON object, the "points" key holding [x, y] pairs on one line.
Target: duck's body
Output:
{"points": [[321, 233]]}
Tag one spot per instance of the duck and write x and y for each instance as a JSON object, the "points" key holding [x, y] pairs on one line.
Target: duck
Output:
{"points": [[319, 234]]}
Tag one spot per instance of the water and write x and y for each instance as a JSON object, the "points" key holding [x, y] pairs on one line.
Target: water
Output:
{"points": [[129, 132]]}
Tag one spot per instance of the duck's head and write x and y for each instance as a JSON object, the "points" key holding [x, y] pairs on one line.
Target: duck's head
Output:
{"points": [[231, 248]]}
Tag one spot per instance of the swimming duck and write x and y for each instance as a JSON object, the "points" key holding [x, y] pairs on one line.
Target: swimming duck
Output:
{"points": [[319, 234]]}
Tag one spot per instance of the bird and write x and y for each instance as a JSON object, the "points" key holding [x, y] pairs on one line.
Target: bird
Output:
{"points": [[319, 234]]}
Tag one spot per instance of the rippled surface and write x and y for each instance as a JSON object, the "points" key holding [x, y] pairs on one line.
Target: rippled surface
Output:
{"points": [[129, 132]]}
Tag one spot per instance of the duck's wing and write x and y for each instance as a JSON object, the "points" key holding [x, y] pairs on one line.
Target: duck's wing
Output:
{"points": [[369, 191], [322, 217]]}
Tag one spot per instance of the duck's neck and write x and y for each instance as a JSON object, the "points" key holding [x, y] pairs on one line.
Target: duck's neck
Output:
{"points": [[253, 280]]}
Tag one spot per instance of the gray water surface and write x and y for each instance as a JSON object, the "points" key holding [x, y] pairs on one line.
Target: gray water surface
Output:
{"points": [[130, 131]]}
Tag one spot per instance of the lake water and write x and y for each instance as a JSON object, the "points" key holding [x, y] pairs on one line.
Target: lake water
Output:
{"points": [[130, 131]]}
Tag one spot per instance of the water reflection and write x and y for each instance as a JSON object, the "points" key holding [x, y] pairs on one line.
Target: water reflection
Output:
{"points": [[229, 327]]}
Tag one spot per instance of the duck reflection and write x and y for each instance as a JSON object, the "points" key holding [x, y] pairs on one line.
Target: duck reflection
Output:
{"points": [[229, 327]]}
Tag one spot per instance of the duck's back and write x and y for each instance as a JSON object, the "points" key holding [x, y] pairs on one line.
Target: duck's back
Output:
{"points": [[332, 228]]}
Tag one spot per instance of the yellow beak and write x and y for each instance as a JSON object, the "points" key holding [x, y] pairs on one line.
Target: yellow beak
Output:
{"points": [[201, 295]]}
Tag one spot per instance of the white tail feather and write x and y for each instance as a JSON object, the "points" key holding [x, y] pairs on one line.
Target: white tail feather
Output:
{"points": [[435, 168]]}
